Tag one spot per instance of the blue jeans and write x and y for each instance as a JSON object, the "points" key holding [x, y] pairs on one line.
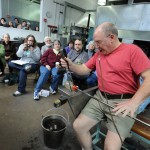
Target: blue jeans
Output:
{"points": [[91, 80], [44, 75], [23, 74]]}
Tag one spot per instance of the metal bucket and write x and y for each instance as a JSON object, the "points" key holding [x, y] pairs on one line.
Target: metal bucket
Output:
{"points": [[54, 126]]}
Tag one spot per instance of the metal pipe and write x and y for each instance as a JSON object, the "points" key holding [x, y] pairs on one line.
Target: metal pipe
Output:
{"points": [[88, 23], [136, 119], [65, 7]]}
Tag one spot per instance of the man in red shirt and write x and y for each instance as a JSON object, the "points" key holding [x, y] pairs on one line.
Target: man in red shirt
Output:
{"points": [[118, 66]]}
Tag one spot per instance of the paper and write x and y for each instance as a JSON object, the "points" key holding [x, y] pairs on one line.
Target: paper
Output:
{"points": [[44, 93], [19, 62]]}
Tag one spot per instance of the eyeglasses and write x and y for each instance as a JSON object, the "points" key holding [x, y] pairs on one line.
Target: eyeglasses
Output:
{"points": [[99, 42], [31, 40], [48, 41]]}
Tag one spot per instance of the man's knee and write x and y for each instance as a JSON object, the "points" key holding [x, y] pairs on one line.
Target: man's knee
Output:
{"points": [[78, 125], [113, 141], [10, 64]]}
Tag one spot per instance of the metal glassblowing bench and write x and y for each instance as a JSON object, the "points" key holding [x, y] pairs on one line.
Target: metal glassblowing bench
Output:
{"points": [[77, 101]]}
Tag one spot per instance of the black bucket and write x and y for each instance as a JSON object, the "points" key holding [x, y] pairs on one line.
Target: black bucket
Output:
{"points": [[54, 127]]}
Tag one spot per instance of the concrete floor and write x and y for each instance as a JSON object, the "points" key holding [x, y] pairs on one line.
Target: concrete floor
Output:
{"points": [[20, 121]]}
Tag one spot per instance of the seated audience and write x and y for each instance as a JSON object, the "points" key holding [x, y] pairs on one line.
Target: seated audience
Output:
{"points": [[70, 46], [10, 24], [49, 68], [2, 59], [3, 22], [78, 56], [47, 45], [16, 22], [10, 51], [30, 54]]}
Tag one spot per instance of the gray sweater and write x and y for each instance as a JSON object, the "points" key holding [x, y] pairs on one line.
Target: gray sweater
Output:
{"points": [[29, 56], [78, 57], [44, 49]]}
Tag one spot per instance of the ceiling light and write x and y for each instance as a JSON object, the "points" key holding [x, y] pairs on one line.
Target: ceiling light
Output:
{"points": [[101, 2]]}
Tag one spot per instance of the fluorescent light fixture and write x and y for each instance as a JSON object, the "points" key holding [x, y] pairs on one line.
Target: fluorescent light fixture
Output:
{"points": [[101, 2]]}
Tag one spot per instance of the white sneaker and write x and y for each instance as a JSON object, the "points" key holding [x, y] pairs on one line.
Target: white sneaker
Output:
{"points": [[36, 96], [52, 91], [17, 93]]}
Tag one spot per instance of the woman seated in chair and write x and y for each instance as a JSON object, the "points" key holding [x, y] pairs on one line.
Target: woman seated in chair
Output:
{"points": [[49, 68], [10, 51], [30, 55]]}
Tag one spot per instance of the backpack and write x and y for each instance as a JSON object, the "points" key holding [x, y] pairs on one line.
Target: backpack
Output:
{"points": [[11, 79]]}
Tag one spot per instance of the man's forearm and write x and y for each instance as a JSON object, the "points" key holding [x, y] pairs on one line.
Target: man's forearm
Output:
{"points": [[142, 93], [79, 69]]}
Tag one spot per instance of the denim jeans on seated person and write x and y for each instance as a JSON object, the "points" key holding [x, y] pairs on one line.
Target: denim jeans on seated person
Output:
{"points": [[23, 74], [91, 80], [44, 75]]}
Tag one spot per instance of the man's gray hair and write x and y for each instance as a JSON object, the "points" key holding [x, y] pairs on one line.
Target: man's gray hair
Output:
{"points": [[47, 37], [110, 28]]}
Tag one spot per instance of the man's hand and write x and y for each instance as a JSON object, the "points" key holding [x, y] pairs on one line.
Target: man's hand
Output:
{"points": [[66, 62], [48, 67], [126, 107]]}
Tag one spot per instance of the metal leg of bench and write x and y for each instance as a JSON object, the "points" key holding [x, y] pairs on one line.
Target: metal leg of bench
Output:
{"points": [[141, 138], [96, 137]]}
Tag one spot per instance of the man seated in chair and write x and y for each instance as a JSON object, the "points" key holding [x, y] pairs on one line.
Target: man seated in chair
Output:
{"points": [[118, 66], [78, 56]]}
